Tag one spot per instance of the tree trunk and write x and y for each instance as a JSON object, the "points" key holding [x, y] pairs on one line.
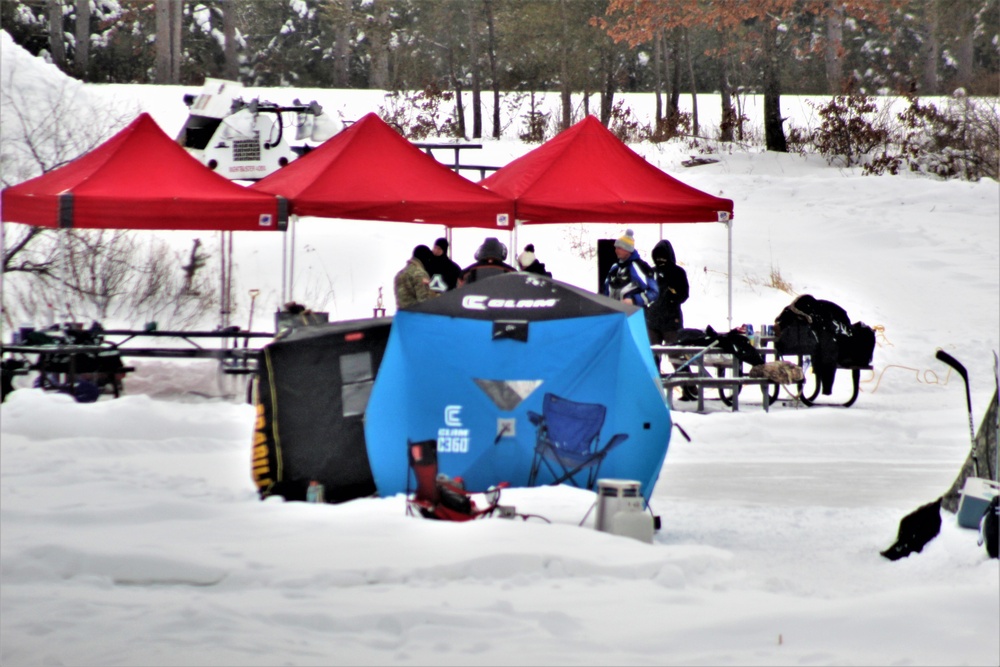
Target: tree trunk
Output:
{"points": [[456, 82], [477, 84], [232, 66], [57, 42], [608, 90], [176, 19], [81, 56], [774, 133], [168, 37], [964, 43], [342, 55], [931, 48], [725, 91], [491, 49], [674, 99], [657, 81], [834, 54], [694, 83], [564, 86], [378, 74]]}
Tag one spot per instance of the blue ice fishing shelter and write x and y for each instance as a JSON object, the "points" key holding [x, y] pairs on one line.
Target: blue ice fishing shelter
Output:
{"points": [[520, 379]]}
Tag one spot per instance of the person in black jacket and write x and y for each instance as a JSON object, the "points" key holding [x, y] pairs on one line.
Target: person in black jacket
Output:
{"points": [[489, 262], [444, 272], [664, 317]]}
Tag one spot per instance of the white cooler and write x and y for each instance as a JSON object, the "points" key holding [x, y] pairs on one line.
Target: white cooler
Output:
{"points": [[620, 511]]}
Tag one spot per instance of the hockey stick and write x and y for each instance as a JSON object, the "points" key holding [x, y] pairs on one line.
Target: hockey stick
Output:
{"points": [[693, 359], [923, 524], [960, 369]]}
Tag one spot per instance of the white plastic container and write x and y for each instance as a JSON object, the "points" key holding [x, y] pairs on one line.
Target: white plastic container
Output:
{"points": [[620, 510], [976, 495]]}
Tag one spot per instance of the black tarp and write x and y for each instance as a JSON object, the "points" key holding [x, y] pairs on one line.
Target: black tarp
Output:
{"points": [[313, 391]]}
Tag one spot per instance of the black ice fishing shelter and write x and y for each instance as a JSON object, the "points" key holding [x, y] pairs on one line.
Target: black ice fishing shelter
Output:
{"points": [[313, 390]]}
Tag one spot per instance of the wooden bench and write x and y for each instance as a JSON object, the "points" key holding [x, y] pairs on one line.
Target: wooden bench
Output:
{"points": [[700, 378]]}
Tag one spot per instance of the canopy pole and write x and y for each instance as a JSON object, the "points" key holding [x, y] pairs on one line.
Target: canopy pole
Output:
{"points": [[291, 260], [513, 244], [222, 278], [729, 273], [284, 268]]}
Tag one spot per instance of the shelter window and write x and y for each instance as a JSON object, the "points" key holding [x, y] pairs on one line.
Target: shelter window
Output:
{"points": [[356, 382]]}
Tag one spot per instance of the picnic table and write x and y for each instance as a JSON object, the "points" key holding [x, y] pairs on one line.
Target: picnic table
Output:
{"points": [[456, 166], [234, 359], [65, 366], [697, 377]]}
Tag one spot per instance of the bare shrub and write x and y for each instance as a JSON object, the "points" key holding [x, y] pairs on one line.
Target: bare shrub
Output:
{"points": [[962, 140], [774, 280], [851, 127], [671, 127], [417, 115], [100, 274], [624, 124]]}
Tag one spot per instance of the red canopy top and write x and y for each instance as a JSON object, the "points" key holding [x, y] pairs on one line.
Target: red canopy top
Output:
{"points": [[586, 174], [370, 172], [140, 179]]}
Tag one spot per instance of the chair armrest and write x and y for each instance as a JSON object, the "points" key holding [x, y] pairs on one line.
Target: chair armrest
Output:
{"points": [[616, 439], [535, 418]]}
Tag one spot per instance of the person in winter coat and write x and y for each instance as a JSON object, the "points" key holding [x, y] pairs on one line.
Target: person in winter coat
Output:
{"points": [[444, 272], [489, 262], [413, 283], [528, 263], [664, 317], [630, 278]]}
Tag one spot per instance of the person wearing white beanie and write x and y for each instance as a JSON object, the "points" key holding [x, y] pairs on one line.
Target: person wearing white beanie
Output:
{"points": [[528, 263]]}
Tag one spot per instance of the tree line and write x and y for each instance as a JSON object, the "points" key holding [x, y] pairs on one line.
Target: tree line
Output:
{"points": [[476, 48]]}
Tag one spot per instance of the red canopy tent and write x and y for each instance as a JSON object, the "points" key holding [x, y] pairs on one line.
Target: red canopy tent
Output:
{"points": [[140, 179], [370, 172], [586, 174]]}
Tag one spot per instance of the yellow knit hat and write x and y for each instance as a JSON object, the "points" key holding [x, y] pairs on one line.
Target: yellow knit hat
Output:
{"points": [[626, 241]]}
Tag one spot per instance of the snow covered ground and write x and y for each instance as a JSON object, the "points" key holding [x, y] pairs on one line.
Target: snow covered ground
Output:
{"points": [[132, 534]]}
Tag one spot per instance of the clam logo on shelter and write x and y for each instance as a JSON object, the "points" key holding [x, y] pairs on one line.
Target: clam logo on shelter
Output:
{"points": [[480, 302], [451, 415], [453, 438]]}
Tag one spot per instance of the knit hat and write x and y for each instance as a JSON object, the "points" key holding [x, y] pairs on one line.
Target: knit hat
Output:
{"points": [[626, 241], [424, 255], [442, 243], [492, 248], [530, 247]]}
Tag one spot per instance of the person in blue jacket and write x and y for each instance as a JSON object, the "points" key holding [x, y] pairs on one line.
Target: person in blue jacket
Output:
{"points": [[630, 279]]}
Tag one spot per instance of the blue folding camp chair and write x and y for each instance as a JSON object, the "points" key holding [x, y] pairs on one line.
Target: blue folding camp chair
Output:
{"points": [[568, 440]]}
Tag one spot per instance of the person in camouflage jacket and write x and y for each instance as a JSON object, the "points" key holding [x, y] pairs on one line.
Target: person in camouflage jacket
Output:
{"points": [[413, 283]]}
